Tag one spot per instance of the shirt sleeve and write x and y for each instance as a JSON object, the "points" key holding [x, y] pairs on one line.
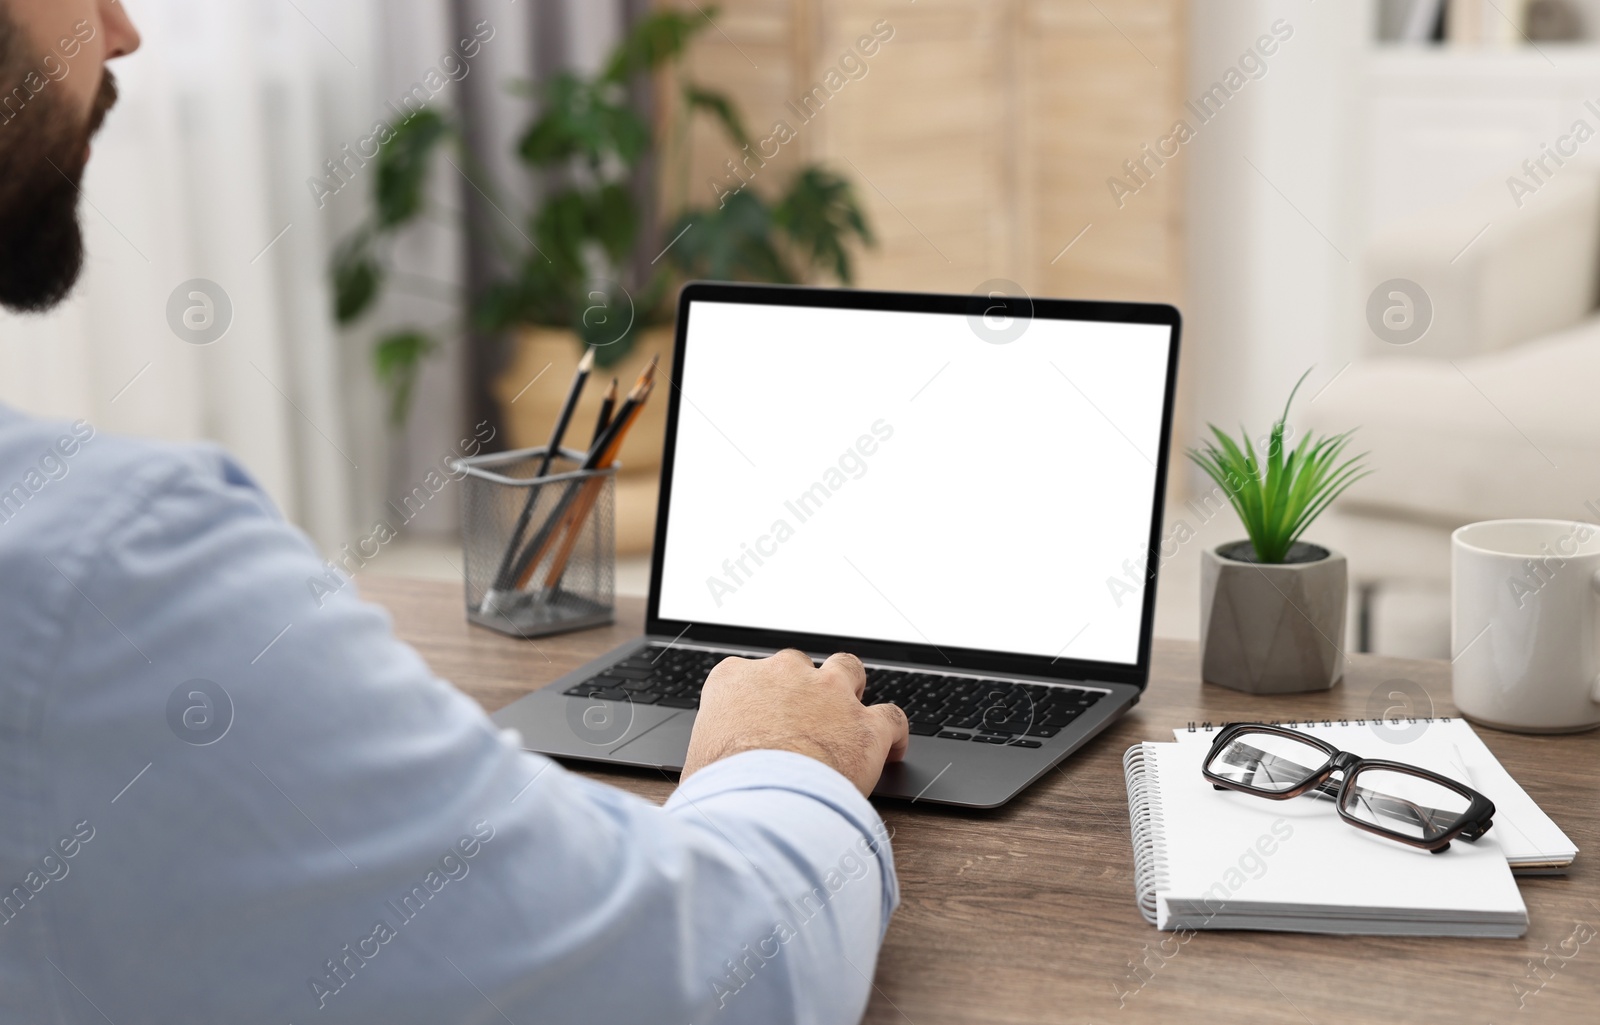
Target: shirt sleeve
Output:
{"points": [[291, 819]]}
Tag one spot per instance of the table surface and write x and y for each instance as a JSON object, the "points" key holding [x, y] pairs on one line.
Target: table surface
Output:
{"points": [[1026, 913]]}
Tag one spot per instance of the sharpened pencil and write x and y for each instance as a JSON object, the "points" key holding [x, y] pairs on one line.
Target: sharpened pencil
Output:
{"points": [[508, 559], [608, 405], [586, 501], [601, 454]]}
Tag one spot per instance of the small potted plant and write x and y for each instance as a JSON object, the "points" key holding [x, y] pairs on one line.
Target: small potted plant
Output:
{"points": [[1273, 606]]}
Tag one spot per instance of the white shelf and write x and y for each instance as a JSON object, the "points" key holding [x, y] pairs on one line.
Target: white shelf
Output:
{"points": [[1551, 60], [1441, 121]]}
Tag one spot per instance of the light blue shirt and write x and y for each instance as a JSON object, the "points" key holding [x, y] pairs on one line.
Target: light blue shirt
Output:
{"points": [[220, 802]]}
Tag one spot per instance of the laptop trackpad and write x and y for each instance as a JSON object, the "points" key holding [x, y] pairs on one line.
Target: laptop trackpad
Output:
{"points": [[666, 745]]}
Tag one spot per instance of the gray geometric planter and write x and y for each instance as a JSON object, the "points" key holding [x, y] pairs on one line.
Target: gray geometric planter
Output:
{"points": [[1272, 629]]}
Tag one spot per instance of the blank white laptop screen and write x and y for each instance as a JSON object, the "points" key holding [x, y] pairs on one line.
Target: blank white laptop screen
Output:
{"points": [[894, 476]]}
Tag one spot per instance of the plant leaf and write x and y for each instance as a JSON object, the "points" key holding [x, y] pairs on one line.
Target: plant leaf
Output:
{"points": [[591, 120], [500, 306], [719, 107], [733, 242], [819, 213], [630, 135], [397, 360], [562, 228], [656, 39], [613, 221], [357, 278], [403, 163]]}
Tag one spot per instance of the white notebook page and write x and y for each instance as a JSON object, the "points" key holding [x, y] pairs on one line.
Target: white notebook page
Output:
{"points": [[1300, 854], [1451, 748]]}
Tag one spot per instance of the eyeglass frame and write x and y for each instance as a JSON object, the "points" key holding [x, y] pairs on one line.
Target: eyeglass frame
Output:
{"points": [[1472, 825]]}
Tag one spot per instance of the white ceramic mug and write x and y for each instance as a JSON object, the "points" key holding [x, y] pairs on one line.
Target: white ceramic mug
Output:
{"points": [[1525, 624]]}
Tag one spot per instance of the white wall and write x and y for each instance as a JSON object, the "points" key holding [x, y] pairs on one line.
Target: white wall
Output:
{"points": [[1273, 252]]}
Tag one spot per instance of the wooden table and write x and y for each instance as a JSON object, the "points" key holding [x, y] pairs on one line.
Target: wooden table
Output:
{"points": [[1026, 914]]}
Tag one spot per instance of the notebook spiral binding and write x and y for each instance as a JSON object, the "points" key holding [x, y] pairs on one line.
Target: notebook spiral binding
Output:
{"points": [[1149, 829], [1294, 724]]}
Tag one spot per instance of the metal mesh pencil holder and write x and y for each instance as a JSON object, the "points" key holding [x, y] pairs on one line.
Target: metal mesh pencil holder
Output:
{"points": [[539, 552]]}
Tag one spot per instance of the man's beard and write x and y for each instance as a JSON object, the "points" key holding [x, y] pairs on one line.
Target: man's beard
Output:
{"points": [[43, 152]]}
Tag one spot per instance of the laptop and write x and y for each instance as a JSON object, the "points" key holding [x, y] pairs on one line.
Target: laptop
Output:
{"points": [[963, 490]]}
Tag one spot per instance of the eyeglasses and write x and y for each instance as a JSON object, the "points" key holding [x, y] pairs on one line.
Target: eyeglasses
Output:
{"points": [[1394, 800]]}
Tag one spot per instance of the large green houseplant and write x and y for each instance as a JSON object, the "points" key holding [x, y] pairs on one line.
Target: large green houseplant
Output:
{"points": [[571, 261], [1273, 606]]}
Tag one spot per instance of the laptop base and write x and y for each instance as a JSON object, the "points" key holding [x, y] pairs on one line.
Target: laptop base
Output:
{"points": [[962, 773]]}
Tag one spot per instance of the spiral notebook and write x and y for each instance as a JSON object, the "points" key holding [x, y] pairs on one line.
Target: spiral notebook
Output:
{"points": [[1208, 859], [1533, 843]]}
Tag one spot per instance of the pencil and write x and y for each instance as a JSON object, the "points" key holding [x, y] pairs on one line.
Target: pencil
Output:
{"points": [[607, 406], [562, 420], [586, 502], [573, 393], [602, 453], [641, 388]]}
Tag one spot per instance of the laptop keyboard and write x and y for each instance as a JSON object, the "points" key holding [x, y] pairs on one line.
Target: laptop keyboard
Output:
{"points": [[983, 711]]}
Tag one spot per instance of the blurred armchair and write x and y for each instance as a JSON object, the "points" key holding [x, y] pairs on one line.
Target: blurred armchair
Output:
{"points": [[1493, 412]]}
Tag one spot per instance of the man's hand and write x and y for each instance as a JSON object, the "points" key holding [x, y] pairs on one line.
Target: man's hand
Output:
{"points": [[784, 703]]}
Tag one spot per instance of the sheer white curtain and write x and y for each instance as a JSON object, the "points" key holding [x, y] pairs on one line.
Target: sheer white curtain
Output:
{"points": [[228, 112], [202, 172]]}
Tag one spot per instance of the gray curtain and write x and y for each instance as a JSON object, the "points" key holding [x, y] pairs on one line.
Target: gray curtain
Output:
{"points": [[558, 35]]}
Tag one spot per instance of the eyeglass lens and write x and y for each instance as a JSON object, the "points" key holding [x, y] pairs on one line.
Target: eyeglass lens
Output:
{"points": [[1268, 762], [1401, 803]]}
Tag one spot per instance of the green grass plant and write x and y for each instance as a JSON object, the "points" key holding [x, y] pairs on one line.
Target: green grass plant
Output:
{"points": [[1278, 497]]}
